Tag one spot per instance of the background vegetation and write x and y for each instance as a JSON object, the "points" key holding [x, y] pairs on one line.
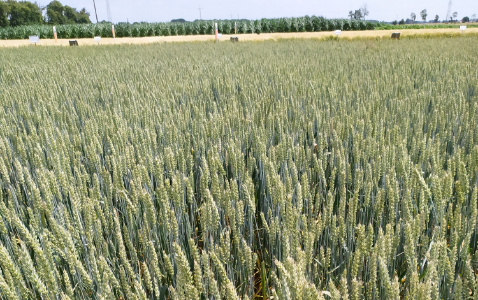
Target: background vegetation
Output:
{"points": [[304, 24], [23, 13], [293, 169]]}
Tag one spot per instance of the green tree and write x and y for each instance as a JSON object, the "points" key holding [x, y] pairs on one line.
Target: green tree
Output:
{"points": [[83, 17], [364, 10], [437, 18], [358, 14], [424, 15], [178, 21], [54, 13], [413, 16], [58, 13], [24, 13], [3, 14], [70, 14]]}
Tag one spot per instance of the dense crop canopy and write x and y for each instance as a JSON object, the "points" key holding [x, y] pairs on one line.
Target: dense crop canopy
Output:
{"points": [[302, 24], [292, 169]]}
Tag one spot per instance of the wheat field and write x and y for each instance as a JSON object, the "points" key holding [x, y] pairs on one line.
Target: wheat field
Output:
{"points": [[292, 169]]}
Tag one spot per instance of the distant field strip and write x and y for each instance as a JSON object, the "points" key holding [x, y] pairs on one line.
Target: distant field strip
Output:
{"points": [[249, 37], [291, 169]]}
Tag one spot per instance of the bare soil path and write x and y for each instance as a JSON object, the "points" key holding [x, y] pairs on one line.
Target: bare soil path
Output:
{"points": [[243, 37]]}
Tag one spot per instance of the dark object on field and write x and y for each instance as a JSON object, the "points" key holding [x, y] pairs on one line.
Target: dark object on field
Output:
{"points": [[396, 35], [234, 39], [73, 43]]}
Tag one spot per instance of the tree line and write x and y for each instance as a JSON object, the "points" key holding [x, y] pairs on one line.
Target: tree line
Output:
{"points": [[424, 14], [16, 13]]}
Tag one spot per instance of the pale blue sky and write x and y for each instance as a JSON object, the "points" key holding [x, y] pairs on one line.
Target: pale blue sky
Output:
{"points": [[165, 10]]}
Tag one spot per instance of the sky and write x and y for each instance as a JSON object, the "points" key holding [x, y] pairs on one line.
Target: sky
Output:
{"points": [[166, 10]]}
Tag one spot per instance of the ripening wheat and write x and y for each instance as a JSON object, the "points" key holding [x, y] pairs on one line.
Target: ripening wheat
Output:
{"points": [[291, 169]]}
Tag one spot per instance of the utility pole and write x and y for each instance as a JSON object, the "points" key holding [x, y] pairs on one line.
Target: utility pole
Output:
{"points": [[108, 11], [96, 14], [200, 13], [448, 14]]}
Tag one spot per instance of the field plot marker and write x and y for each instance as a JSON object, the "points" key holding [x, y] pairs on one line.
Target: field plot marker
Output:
{"points": [[462, 28], [215, 32], [97, 39], [34, 39], [54, 33], [337, 33], [113, 30]]}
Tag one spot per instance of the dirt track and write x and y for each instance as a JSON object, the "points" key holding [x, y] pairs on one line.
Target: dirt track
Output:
{"points": [[242, 37]]}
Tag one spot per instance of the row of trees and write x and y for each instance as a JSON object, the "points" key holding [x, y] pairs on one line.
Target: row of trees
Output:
{"points": [[64, 14], [17, 13], [453, 17], [361, 13], [423, 14]]}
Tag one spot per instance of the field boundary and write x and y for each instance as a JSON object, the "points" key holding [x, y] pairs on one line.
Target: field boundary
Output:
{"points": [[324, 35]]}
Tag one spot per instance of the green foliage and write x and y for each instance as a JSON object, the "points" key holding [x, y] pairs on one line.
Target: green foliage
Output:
{"points": [[54, 13], [304, 24], [24, 13], [423, 15], [291, 169], [4, 9], [57, 14], [178, 21]]}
